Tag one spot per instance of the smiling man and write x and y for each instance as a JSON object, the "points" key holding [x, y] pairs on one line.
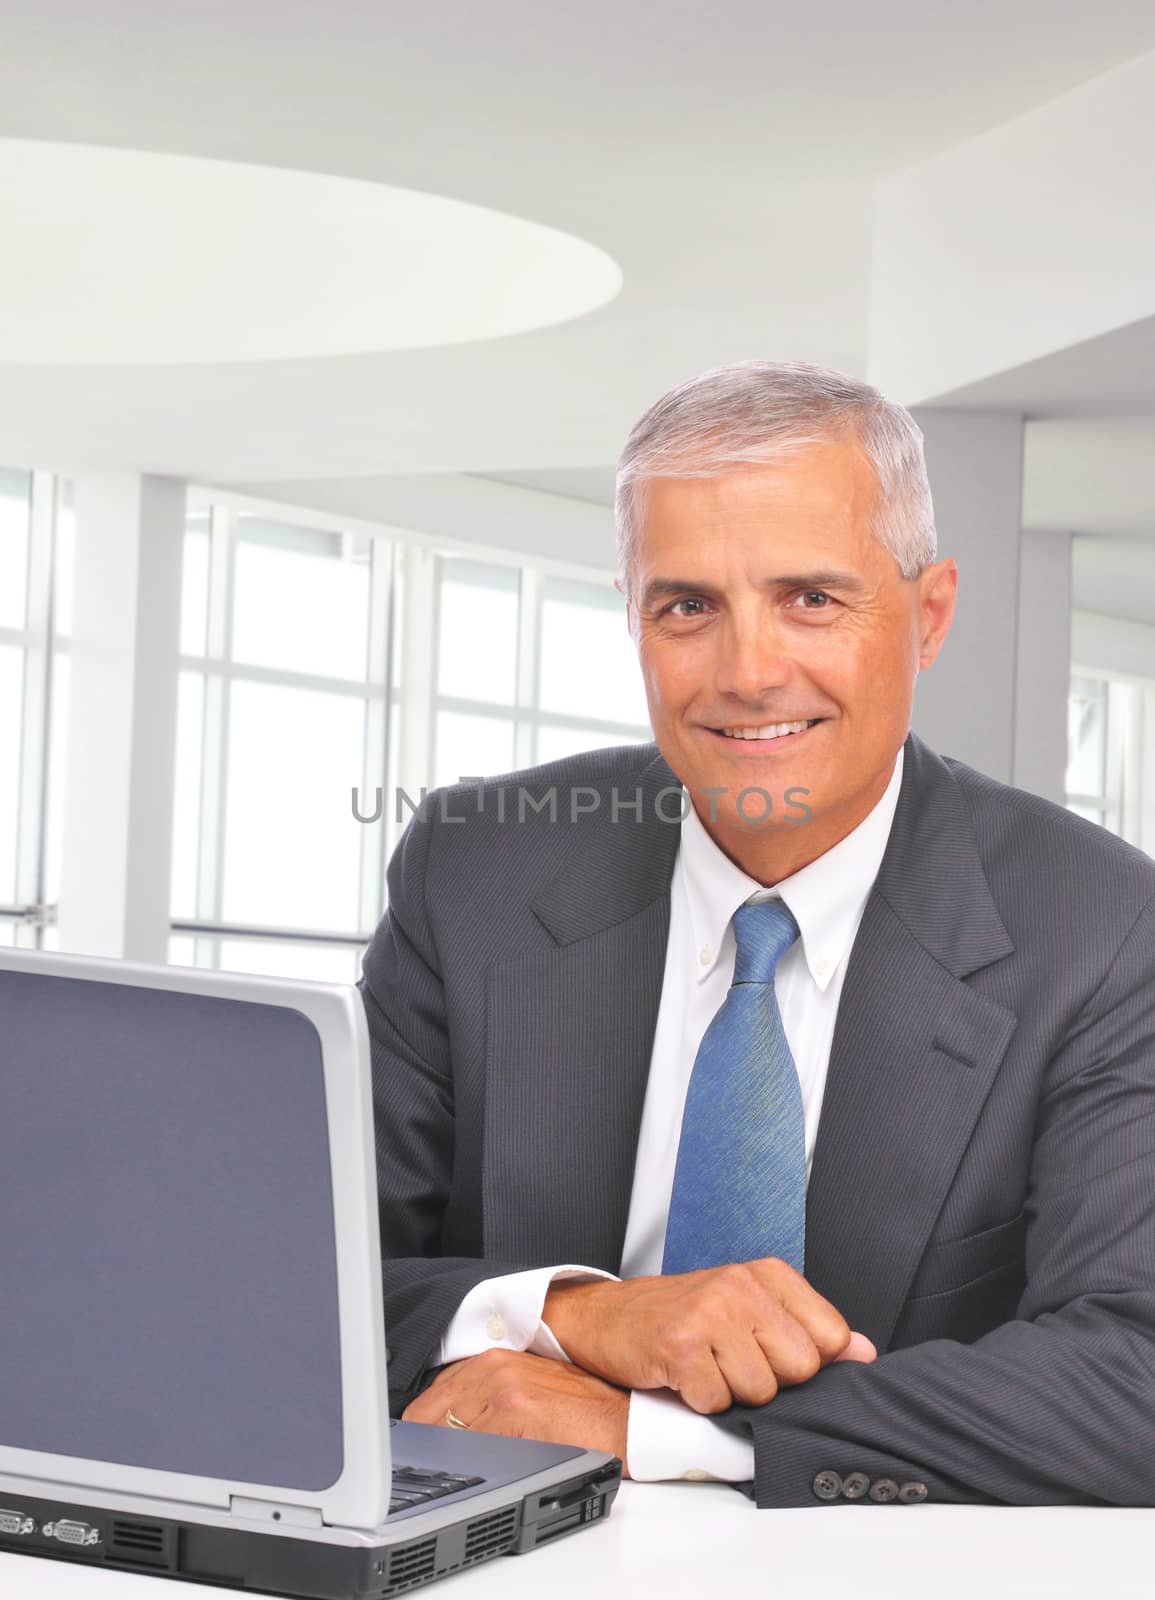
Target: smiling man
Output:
{"points": [[775, 1102]]}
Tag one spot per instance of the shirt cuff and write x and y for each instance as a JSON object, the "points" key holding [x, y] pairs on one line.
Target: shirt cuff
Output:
{"points": [[665, 1439], [505, 1314]]}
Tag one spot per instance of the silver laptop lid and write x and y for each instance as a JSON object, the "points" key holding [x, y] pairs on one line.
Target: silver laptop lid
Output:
{"points": [[190, 1285]]}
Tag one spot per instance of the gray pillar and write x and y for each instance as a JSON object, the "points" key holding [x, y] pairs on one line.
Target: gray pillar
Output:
{"points": [[118, 801], [1044, 664], [964, 703]]}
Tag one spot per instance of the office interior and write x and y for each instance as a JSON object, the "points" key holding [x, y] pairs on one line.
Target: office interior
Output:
{"points": [[321, 330]]}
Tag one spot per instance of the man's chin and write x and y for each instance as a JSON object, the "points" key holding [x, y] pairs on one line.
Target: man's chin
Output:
{"points": [[751, 789]]}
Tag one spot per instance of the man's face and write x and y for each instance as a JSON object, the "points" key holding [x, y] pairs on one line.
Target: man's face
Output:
{"points": [[762, 597]]}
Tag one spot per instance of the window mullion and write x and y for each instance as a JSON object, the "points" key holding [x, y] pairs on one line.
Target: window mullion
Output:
{"points": [[34, 744], [418, 665], [214, 731], [378, 714], [528, 659]]}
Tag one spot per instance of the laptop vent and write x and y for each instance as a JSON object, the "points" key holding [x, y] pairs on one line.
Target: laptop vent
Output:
{"points": [[141, 1544], [411, 1564], [488, 1536]]}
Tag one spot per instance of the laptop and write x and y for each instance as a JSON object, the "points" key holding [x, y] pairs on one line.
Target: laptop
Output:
{"points": [[192, 1342]]}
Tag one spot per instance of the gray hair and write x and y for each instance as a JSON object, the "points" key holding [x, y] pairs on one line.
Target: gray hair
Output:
{"points": [[756, 413]]}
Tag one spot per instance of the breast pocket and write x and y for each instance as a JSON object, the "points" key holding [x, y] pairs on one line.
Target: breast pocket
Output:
{"points": [[952, 1264]]}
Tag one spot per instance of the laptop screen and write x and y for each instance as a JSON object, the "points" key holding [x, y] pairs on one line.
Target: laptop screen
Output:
{"points": [[168, 1276]]}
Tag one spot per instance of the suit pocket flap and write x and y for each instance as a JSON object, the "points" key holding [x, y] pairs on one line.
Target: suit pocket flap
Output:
{"points": [[953, 1263]]}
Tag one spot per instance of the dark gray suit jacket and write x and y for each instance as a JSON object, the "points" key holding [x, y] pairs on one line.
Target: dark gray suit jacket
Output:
{"points": [[982, 1198]]}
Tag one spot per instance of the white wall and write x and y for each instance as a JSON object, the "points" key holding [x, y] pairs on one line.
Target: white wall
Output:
{"points": [[1028, 239], [965, 702]]}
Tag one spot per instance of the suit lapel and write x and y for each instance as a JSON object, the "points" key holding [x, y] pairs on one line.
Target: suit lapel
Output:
{"points": [[570, 1033], [914, 1054]]}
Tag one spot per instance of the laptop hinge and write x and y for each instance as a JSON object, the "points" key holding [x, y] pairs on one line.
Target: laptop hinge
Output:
{"points": [[274, 1511]]}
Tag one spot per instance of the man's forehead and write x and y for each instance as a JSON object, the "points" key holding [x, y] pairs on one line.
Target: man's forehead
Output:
{"points": [[835, 478]]}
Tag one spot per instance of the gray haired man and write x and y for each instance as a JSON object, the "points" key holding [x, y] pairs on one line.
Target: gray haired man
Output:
{"points": [[806, 1140]]}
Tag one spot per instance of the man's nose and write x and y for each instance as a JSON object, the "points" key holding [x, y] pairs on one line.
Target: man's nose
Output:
{"points": [[753, 660]]}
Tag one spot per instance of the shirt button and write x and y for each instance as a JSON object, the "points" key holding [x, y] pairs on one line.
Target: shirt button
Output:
{"points": [[822, 968], [496, 1328], [705, 955], [696, 1475]]}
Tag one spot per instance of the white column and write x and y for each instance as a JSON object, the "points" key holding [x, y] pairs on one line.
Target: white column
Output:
{"points": [[964, 703], [1044, 664], [115, 868]]}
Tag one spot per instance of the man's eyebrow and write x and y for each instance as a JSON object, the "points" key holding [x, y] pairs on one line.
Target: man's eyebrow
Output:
{"points": [[663, 588], [830, 578]]}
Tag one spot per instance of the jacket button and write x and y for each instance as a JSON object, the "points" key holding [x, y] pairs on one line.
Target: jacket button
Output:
{"points": [[910, 1493], [855, 1486], [883, 1489], [827, 1486]]}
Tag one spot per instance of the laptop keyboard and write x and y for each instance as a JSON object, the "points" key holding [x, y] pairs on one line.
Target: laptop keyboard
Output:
{"points": [[413, 1486]]}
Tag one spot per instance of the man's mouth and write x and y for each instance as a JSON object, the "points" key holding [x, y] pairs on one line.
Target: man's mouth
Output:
{"points": [[769, 732]]}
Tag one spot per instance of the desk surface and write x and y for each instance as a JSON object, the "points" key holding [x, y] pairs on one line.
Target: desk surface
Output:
{"points": [[688, 1539]]}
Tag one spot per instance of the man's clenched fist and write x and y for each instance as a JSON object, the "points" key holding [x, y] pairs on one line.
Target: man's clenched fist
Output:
{"points": [[719, 1336]]}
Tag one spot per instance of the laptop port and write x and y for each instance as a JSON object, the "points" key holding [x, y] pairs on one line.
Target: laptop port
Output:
{"points": [[69, 1532], [16, 1522]]}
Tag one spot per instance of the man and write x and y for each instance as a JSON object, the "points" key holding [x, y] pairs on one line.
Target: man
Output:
{"points": [[848, 1075]]}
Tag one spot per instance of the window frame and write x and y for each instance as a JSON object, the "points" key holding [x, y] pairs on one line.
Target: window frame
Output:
{"points": [[1129, 775], [403, 650], [29, 915]]}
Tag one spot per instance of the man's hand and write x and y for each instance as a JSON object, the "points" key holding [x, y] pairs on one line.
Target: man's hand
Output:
{"points": [[716, 1337], [529, 1397]]}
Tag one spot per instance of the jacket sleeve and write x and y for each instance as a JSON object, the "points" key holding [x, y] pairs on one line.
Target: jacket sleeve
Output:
{"points": [[1058, 1405], [413, 1109]]}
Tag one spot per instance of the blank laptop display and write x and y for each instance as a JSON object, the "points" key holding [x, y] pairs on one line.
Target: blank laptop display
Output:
{"points": [[221, 1240]]}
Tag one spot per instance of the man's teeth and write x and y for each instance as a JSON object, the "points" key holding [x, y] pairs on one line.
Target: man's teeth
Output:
{"points": [[773, 730]]}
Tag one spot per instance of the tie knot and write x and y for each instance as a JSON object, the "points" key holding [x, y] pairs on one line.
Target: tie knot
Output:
{"points": [[764, 932]]}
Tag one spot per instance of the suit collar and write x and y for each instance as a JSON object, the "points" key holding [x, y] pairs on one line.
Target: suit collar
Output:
{"points": [[931, 874], [620, 857]]}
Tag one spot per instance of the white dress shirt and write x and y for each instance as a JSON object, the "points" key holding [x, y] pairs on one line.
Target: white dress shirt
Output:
{"points": [[827, 899]]}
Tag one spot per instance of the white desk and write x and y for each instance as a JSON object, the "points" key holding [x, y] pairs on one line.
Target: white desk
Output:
{"points": [[696, 1539]]}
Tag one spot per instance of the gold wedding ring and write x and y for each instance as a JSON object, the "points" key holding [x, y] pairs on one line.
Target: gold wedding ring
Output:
{"points": [[454, 1422]]}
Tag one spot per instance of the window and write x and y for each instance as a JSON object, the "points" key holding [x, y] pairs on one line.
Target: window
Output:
{"points": [[321, 666], [1111, 753], [531, 667], [282, 711], [33, 698]]}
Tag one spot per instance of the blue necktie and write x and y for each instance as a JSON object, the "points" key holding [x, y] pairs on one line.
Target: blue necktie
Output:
{"points": [[740, 1181]]}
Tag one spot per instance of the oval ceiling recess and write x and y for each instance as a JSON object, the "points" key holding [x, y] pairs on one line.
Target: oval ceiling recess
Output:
{"points": [[129, 257]]}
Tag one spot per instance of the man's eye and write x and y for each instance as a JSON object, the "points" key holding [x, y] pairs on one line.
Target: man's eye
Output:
{"points": [[814, 594], [686, 607]]}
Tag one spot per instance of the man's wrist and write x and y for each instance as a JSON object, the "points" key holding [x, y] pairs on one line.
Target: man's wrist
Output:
{"points": [[566, 1310]]}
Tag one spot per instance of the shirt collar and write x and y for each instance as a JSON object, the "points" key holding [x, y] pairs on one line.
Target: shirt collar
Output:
{"points": [[826, 897]]}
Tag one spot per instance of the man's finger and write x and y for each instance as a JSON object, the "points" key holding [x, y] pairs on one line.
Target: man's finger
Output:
{"points": [[703, 1388], [449, 1391], [822, 1321], [859, 1349], [749, 1370]]}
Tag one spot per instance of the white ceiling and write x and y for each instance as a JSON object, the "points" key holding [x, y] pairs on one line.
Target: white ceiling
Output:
{"points": [[723, 156], [1115, 577]]}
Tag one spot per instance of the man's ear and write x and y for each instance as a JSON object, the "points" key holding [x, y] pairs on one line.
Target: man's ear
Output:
{"points": [[631, 615], [936, 608]]}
